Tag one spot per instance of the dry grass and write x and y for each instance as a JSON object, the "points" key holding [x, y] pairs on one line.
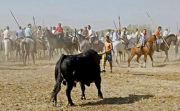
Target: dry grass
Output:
{"points": [[28, 88]]}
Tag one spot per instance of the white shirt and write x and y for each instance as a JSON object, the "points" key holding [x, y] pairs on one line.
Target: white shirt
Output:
{"points": [[91, 33], [165, 33], [53, 31], [6, 34], [80, 32]]}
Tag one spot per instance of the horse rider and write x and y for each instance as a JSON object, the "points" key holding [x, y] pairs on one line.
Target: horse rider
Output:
{"points": [[143, 39], [108, 53], [91, 35], [39, 32], [158, 35], [29, 34], [6, 34], [115, 36], [59, 30], [20, 33], [137, 34], [85, 32], [80, 32], [165, 33], [53, 29]]}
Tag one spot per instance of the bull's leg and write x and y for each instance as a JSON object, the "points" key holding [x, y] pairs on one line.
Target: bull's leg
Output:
{"points": [[98, 85], [56, 90], [83, 97], [68, 93]]}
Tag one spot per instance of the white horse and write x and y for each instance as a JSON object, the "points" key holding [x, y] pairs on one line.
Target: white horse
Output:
{"points": [[119, 50], [7, 48], [27, 46]]}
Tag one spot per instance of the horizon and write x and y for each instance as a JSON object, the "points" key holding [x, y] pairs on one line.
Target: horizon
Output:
{"points": [[99, 14]]}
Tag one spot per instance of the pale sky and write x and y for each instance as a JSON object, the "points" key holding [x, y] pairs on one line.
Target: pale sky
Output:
{"points": [[98, 13]]}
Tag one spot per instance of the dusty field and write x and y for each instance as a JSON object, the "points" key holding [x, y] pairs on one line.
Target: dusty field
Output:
{"points": [[28, 88]]}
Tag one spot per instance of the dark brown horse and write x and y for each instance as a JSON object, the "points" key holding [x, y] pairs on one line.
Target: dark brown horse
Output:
{"points": [[165, 46], [148, 49]]}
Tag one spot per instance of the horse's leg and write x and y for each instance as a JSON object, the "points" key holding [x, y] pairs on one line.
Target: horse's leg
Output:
{"points": [[145, 59], [33, 58], [138, 57], [130, 58], [150, 55], [167, 58]]}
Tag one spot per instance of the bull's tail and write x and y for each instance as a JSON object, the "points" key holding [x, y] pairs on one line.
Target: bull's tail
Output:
{"points": [[58, 78]]}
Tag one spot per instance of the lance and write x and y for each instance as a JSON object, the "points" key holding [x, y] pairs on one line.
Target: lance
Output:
{"points": [[148, 15], [115, 25], [14, 18], [34, 21], [119, 19]]}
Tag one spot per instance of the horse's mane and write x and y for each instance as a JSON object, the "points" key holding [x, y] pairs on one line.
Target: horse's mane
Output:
{"points": [[170, 36]]}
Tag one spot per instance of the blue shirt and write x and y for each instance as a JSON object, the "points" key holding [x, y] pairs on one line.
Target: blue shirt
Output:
{"points": [[28, 32], [20, 33]]}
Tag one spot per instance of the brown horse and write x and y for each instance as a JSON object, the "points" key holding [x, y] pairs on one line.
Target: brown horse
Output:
{"points": [[148, 49]]}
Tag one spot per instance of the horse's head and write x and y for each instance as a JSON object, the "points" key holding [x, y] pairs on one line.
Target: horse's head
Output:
{"points": [[152, 39]]}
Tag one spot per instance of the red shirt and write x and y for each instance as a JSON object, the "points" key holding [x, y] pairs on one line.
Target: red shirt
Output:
{"points": [[59, 29]]}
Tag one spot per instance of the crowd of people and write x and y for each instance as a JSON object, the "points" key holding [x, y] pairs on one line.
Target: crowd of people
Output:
{"points": [[90, 34]]}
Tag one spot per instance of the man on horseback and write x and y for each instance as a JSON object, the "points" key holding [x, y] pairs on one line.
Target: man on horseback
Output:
{"points": [[29, 34], [165, 33], [91, 35], [20, 33], [85, 32], [142, 40], [39, 32], [158, 35], [59, 30]]}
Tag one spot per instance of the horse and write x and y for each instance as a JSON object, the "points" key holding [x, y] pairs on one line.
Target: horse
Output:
{"points": [[55, 42], [85, 44], [123, 46], [27, 46], [148, 49], [165, 47]]}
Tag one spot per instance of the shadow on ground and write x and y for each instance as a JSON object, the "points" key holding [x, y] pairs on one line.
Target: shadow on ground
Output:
{"points": [[119, 100]]}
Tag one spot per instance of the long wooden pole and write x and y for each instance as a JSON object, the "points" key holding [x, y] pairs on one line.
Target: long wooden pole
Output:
{"points": [[14, 18]]}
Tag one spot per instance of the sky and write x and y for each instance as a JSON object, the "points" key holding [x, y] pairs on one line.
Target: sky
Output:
{"points": [[100, 14]]}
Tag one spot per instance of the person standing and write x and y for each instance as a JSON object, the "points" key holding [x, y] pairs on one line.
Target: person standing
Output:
{"points": [[6, 35], [108, 52]]}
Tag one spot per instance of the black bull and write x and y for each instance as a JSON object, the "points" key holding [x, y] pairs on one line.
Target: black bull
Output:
{"points": [[83, 68]]}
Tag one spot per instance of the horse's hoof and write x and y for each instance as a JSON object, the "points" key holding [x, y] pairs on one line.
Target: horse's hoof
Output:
{"points": [[71, 104]]}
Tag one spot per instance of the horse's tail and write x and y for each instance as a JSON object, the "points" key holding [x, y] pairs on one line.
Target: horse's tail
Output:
{"points": [[58, 78]]}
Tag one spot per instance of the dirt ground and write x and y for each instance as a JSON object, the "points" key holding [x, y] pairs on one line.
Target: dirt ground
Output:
{"points": [[28, 88]]}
